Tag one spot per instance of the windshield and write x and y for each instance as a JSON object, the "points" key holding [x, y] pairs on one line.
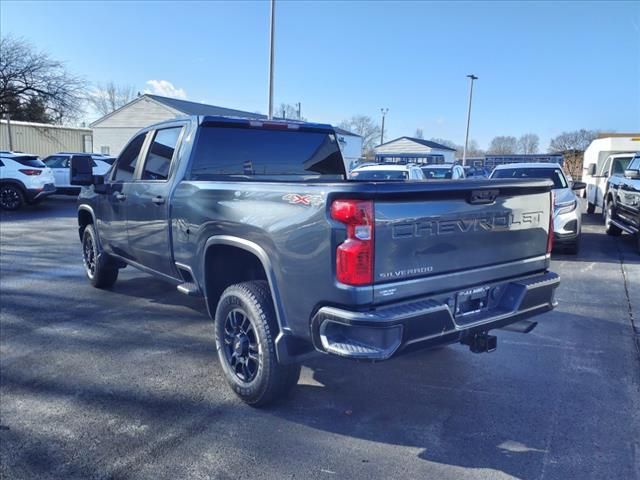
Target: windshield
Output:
{"points": [[436, 173], [380, 175], [554, 174]]}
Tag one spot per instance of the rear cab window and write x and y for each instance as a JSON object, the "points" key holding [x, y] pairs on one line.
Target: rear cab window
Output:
{"points": [[554, 174], [245, 154]]}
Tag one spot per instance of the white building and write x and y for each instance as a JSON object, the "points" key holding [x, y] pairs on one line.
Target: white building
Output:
{"points": [[43, 139], [112, 132], [409, 149]]}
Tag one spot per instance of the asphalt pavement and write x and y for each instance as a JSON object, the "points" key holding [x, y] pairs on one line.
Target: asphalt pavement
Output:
{"points": [[125, 383]]}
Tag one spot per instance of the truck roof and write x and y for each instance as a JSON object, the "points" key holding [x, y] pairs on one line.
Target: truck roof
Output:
{"points": [[507, 166]]}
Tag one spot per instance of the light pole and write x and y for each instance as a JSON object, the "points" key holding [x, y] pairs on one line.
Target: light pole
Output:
{"points": [[271, 57], [471, 77], [384, 114], [299, 105]]}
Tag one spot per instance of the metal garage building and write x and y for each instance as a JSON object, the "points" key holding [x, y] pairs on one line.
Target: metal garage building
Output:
{"points": [[409, 149], [43, 139]]}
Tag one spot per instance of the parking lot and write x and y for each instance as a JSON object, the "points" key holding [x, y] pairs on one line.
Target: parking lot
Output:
{"points": [[125, 383]]}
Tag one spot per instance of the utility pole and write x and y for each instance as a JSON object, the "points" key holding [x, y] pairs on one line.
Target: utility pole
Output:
{"points": [[9, 132], [471, 77], [271, 57], [384, 114], [299, 105]]}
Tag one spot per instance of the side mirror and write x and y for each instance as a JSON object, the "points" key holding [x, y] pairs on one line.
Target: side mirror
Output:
{"points": [[578, 186], [81, 170], [592, 169], [632, 173]]}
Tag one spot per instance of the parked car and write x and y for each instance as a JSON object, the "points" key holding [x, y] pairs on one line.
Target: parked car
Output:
{"points": [[567, 217], [397, 172], [622, 202], [23, 179], [476, 172], [443, 171], [292, 258], [59, 164], [612, 166]]}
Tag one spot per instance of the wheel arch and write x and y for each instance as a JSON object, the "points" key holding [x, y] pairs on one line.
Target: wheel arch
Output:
{"points": [[16, 182], [86, 216], [253, 263]]}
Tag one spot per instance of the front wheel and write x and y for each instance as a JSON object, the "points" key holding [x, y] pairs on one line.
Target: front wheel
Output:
{"points": [[245, 331], [609, 214], [99, 271], [11, 197]]}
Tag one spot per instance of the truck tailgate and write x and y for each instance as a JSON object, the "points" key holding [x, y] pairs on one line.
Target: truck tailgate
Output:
{"points": [[449, 235]]}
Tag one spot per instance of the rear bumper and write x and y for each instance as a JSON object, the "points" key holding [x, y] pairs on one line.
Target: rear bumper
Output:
{"points": [[34, 194], [392, 329]]}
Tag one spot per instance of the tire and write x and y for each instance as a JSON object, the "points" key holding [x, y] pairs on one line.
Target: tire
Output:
{"points": [[97, 267], [245, 331], [609, 213], [591, 207], [11, 197]]}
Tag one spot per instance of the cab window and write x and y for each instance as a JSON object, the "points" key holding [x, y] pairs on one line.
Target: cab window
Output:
{"points": [[161, 152], [128, 160]]}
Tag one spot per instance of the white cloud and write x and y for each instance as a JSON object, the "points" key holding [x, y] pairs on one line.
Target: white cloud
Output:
{"points": [[165, 88]]}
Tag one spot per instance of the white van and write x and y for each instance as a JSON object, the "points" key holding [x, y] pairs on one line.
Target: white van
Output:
{"points": [[601, 160]]}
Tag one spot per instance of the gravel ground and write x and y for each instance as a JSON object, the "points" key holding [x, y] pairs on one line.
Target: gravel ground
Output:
{"points": [[125, 383]]}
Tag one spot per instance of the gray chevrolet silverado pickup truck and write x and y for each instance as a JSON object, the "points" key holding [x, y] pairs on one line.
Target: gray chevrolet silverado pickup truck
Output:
{"points": [[292, 257]]}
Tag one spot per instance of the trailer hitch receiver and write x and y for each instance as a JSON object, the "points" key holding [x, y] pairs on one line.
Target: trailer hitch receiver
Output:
{"points": [[481, 342]]}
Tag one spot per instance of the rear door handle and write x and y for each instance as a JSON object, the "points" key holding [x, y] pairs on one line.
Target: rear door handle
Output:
{"points": [[158, 200], [121, 197]]}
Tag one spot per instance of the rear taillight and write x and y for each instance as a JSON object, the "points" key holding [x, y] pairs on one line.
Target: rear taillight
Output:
{"points": [[29, 171], [354, 256], [550, 237]]}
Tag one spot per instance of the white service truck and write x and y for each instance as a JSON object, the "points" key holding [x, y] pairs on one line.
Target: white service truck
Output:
{"points": [[604, 157]]}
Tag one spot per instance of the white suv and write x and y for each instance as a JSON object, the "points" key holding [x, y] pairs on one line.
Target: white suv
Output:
{"points": [[59, 163], [23, 179]]}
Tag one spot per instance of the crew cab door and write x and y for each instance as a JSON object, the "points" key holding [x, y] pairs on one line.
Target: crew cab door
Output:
{"points": [[113, 205], [148, 209]]}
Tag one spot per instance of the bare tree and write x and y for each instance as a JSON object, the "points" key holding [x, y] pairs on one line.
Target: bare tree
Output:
{"points": [[366, 128], [528, 143], [503, 145], [572, 145], [29, 77], [576, 140], [289, 111], [419, 133], [108, 97]]}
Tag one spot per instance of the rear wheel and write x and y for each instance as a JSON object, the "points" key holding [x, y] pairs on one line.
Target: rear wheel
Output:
{"points": [[11, 197], [98, 267], [609, 214], [591, 207], [245, 331]]}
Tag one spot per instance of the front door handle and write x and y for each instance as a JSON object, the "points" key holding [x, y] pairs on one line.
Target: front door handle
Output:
{"points": [[158, 200], [120, 197]]}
